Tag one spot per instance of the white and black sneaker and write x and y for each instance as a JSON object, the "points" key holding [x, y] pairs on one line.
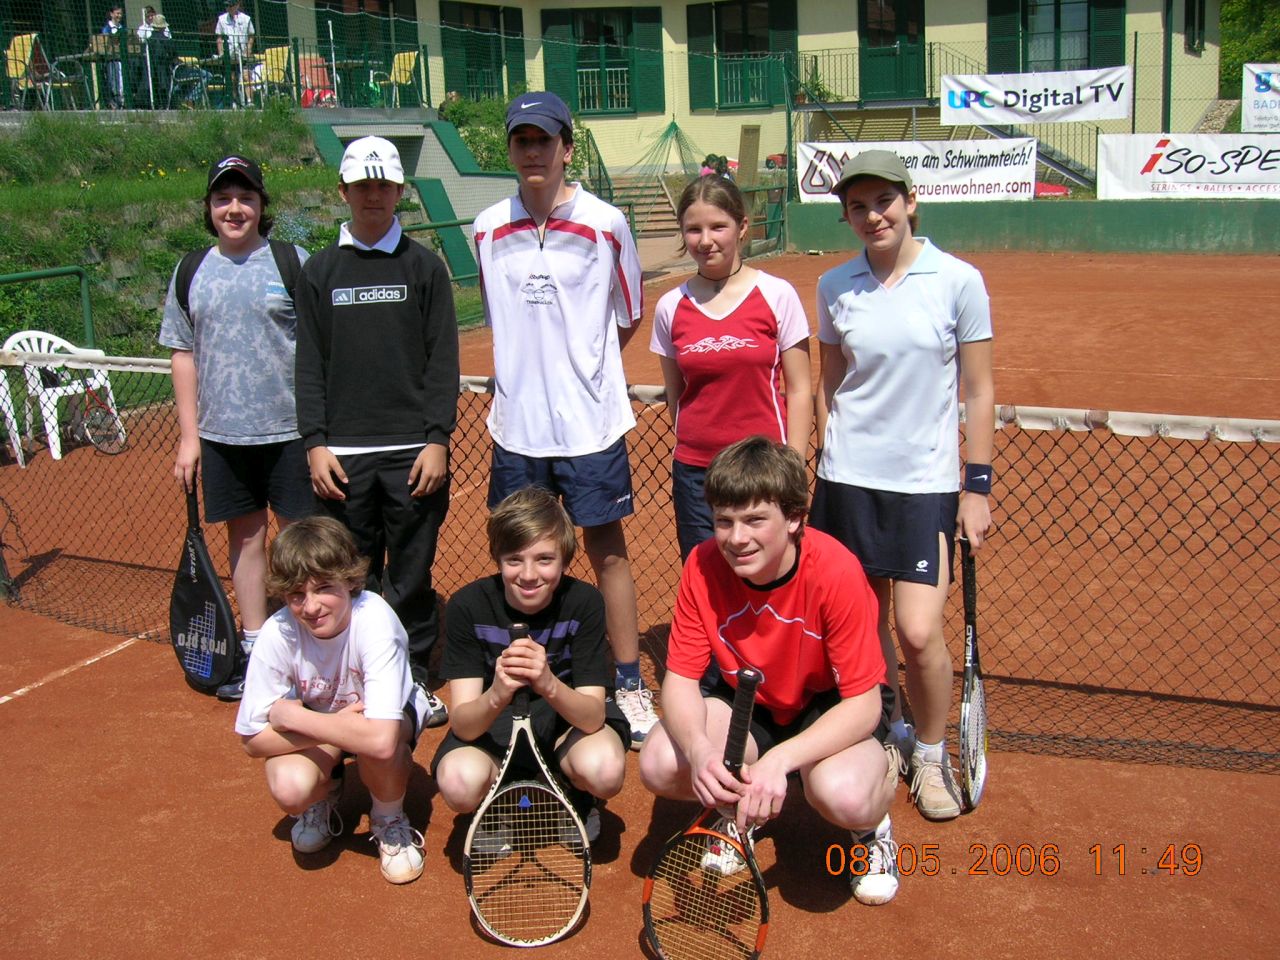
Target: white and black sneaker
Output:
{"points": [[879, 883]]}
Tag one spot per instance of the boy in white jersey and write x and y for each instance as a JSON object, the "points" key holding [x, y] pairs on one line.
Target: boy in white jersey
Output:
{"points": [[329, 677], [561, 282]]}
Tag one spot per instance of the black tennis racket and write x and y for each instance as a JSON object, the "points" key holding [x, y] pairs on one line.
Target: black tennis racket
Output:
{"points": [[695, 909], [202, 627], [526, 860], [973, 699]]}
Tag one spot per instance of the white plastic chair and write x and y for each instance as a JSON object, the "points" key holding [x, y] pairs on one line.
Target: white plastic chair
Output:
{"points": [[10, 418], [48, 394]]}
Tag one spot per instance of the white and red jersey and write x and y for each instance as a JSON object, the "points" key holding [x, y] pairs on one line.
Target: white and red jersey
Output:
{"points": [[813, 630], [555, 304], [731, 365]]}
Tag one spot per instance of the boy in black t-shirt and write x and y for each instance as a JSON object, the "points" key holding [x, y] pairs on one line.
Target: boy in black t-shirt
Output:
{"points": [[377, 391], [564, 663]]}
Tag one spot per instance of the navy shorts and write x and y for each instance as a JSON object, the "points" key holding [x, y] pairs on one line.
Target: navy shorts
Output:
{"points": [[239, 480], [694, 519], [595, 487], [893, 535], [768, 733]]}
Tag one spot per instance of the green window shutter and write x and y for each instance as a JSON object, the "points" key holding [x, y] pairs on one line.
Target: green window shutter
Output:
{"points": [[648, 84], [560, 55], [783, 39], [1106, 33], [453, 48], [1004, 36], [513, 48], [702, 56]]}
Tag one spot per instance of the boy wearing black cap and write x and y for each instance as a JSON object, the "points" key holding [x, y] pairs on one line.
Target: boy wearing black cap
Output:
{"points": [[562, 292], [229, 320], [378, 392]]}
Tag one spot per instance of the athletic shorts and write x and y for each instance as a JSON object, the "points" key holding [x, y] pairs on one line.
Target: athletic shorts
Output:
{"points": [[239, 480], [893, 535], [416, 711], [768, 733], [548, 729], [595, 487]]}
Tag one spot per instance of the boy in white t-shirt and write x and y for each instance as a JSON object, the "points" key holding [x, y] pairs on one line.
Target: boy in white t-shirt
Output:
{"points": [[329, 677]]}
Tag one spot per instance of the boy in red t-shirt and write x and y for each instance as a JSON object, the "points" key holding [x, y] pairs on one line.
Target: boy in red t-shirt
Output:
{"points": [[796, 606]]}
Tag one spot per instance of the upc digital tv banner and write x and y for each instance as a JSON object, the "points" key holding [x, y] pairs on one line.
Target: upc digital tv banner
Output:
{"points": [[1260, 98], [1133, 166], [1058, 97], [941, 170]]}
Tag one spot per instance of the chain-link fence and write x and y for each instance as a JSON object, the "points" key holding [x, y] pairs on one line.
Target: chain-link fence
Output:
{"points": [[1128, 598]]}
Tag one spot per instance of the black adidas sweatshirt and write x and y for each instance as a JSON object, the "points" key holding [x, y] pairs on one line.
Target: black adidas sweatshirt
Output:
{"points": [[377, 353]]}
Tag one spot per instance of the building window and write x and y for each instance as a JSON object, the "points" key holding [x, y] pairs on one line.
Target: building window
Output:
{"points": [[1193, 28], [741, 53], [483, 49], [1057, 35], [1025, 36], [604, 62]]}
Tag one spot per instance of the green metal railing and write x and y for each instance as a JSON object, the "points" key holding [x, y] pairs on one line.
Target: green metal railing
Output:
{"points": [[86, 308]]}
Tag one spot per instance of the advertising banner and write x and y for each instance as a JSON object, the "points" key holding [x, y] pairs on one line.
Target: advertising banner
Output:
{"points": [[1260, 98], [942, 170], [1180, 165], [1059, 97]]}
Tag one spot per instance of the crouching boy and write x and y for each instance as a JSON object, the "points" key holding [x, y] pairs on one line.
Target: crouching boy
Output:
{"points": [[329, 677], [563, 662], [795, 605]]}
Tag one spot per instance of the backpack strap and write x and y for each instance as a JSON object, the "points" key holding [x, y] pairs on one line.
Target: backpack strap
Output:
{"points": [[288, 263], [187, 268]]}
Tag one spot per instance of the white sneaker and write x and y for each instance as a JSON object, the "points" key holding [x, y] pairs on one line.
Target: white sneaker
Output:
{"points": [[400, 847], [318, 824], [637, 706], [879, 884], [722, 857], [933, 788]]}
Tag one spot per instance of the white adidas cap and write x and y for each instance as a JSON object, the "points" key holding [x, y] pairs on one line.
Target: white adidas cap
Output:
{"points": [[371, 158]]}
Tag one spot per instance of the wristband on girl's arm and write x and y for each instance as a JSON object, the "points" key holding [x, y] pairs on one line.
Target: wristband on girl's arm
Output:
{"points": [[977, 477]]}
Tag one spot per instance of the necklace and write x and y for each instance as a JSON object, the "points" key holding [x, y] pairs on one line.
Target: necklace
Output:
{"points": [[719, 284]]}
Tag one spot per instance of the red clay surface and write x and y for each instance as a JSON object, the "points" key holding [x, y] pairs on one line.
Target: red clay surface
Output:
{"points": [[138, 829]]}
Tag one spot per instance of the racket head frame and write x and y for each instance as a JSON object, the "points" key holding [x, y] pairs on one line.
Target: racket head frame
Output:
{"points": [[522, 739], [973, 702]]}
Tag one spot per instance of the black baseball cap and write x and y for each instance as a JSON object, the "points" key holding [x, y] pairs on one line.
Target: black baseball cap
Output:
{"points": [[540, 108], [241, 166]]}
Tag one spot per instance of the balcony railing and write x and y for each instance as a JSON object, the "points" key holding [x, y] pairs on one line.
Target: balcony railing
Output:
{"points": [[742, 80], [607, 88]]}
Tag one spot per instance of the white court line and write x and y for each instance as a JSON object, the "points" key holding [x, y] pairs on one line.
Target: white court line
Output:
{"points": [[71, 669]]}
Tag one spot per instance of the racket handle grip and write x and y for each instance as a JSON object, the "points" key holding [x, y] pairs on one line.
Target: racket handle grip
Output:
{"points": [[193, 509], [520, 702], [969, 580], [744, 701]]}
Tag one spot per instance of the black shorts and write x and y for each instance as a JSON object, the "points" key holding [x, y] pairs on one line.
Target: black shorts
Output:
{"points": [[893, 535], [548, 728], [768, 733], [239, 480]]}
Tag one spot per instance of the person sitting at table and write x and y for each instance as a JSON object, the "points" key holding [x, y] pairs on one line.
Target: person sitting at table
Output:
{"points": [[151, 71]]}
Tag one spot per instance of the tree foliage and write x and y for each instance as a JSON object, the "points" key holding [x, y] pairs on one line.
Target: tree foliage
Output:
{"points": [[1250, 34]]}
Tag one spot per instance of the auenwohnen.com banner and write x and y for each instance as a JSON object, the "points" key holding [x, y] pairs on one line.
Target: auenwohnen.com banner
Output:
{"points": [[1260, 98], [942, 170], [1059, 97]]}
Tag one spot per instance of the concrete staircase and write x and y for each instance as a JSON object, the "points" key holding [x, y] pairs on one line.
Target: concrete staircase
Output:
{"points": [[654, 214]]}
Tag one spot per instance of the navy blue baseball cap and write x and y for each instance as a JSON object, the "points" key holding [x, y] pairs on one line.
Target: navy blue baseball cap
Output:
{"points": [[542, 109]]}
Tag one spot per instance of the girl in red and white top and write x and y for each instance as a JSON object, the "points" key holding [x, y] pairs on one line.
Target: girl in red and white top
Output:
{"points": [[734, 343]]}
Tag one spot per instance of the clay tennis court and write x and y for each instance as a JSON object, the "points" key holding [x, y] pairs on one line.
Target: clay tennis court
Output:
{"points": [[136, 827]]}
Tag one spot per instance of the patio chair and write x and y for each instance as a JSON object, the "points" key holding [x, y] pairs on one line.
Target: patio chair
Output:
{"points": [[404, 73], [27, 70], [273, 77], [47, 384]]}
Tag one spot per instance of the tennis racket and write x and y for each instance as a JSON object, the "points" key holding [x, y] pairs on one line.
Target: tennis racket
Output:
{"points": [[695, 909], [201, 624], [973, 700], [526, 860]]}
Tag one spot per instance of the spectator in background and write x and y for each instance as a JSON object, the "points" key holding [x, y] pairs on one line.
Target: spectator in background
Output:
{"points": [[151, 72], [234, 32], [115, 75]]}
